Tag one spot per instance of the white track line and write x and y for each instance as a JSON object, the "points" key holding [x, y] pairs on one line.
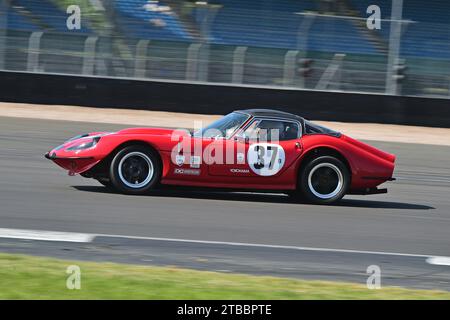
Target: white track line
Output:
{"points": [[273, 246], [45, 235], [439, 261], [86, 237]]}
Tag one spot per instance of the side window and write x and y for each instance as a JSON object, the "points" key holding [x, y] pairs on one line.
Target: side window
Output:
{"points": [[291, 131], [272, 130]]}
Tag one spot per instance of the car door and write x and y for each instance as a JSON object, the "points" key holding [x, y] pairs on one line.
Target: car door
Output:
{"points": [[187, 162], [260, 158]]}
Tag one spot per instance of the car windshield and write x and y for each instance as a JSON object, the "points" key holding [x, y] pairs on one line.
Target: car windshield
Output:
{"points": [[224, 127]]}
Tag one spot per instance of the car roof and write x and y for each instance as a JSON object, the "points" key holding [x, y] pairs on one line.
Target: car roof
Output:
{"points": [[271, 113]]}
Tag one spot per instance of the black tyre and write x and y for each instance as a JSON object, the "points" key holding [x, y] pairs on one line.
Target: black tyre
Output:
{"points": [[135, 170], [324, 180]]}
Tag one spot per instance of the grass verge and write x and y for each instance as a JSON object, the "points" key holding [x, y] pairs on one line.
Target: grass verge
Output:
{"points": [[28, 277]]}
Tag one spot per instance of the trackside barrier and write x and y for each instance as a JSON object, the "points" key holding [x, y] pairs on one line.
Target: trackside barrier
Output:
{"points": [[23, 87]]}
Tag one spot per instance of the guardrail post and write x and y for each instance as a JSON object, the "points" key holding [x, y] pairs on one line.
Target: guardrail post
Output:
{"points": [[3, 32], [33, 51], [238, 64], [140, 62], [448, 87], [394, 46], [331, 71], [290, 63], [89, 55], [203, 62], [192, 61]]}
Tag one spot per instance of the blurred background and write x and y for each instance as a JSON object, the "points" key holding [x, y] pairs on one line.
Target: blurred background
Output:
{"points": [[312, 44], [328, 60]]}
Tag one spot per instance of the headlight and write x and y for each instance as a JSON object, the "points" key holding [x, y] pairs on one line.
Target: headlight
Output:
{"points": [[78, 137], [85, 144]]}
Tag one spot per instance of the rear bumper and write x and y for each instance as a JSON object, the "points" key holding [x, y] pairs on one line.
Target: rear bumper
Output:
{"points": [[379, 178], [367, 191]]}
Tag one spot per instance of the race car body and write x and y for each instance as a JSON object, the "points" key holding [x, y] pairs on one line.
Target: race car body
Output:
{"points": [[257, 149]]}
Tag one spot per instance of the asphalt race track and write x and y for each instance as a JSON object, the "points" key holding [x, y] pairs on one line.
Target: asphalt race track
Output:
{"points": [[413, 218]]}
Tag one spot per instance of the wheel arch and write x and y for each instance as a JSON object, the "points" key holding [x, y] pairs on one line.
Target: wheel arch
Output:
{"points": [[103, 166], [135, 142], [322, 151]]}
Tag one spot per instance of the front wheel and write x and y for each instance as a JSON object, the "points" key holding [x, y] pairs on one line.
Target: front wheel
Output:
{"points": [[135, 170], [324, 180]]}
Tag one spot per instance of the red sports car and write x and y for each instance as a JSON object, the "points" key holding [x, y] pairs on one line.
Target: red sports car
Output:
{"points": [[257, 149]]}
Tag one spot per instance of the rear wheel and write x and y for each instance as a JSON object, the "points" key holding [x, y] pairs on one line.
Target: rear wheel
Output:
{"points": [[135, 170], [324, 180]]}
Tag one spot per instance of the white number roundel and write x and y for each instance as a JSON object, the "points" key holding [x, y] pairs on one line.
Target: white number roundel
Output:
{"points": [[265, 159]]}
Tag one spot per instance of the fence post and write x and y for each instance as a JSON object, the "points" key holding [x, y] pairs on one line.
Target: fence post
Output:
{"points": [[192, 61], [89, 55], [3, 32], [140, 62], [290, 63], [203, 62], [33, 51], [303, 38], [331, 71], [238, 64], [394, 45]]}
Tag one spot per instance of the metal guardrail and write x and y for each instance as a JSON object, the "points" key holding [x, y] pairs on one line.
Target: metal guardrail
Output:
{"points": [[199, 61]]}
